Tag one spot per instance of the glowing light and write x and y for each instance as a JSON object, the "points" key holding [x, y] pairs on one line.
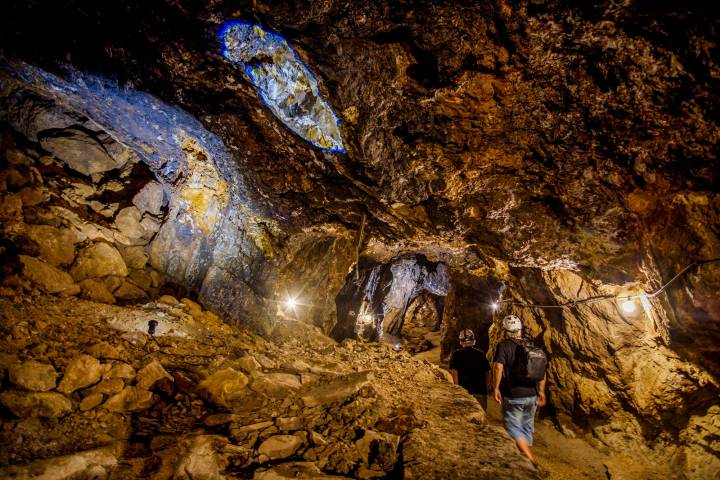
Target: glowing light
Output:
{"points": [[495, 306], [285, 84], [291, 303], [628, 306]]}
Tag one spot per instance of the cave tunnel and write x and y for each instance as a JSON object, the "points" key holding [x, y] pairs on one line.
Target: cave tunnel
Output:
{"points": [[245, 239]]}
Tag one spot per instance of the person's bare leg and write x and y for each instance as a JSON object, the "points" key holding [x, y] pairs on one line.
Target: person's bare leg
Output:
{"points": [[524, 447]]}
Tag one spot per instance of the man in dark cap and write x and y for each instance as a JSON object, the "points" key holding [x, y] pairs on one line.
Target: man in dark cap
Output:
{"points": [[470, 368]]}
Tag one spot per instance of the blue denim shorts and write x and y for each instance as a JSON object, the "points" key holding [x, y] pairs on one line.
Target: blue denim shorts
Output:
{"points": [[519, 414]]}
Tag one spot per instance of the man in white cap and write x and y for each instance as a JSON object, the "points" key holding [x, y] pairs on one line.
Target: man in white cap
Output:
{"points": [[519, 383], [470, 369]]}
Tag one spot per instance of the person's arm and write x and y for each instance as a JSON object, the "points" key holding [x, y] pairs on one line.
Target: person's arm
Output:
{"points": [[454, 374], [498, 373], [541, 391]]}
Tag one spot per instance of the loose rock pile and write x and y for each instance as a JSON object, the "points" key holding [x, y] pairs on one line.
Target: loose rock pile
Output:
{"points": [[87, 393], [79, 221]]}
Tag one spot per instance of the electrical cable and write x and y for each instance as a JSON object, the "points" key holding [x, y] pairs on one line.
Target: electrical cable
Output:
{"points": [[598, 298]]}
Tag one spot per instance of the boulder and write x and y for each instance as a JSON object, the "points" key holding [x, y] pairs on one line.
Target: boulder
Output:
{"points": [[104, 350], [113, 282], [45, 404], [141, 278], [151, 225], [134, 256], [129, 291], [33, 376], [127, 222], [80, 150], [47, 277], [224, 386], [57, 245], [289, 424], [168, 300], [249, 364], [130, 399], [280, 446], [151, 374], [96, 291], [337, 389], [81, 372], [89, 464], [150, 199], [277, 385], [192, 307], [91, 401], [98, 260], [109, 386], [121, 370]]}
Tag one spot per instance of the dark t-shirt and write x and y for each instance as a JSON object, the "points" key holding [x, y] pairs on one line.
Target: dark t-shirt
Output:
{"points": [[471, 365], [509, 387]]}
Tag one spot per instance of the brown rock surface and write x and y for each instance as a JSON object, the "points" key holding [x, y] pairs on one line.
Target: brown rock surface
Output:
{"points": [[151, 374], [47, 277], [280, 446], [57, 245], [91, 401], [224, 386], [187, 433], [129, 291], [96, 290], [33, 376], [150, 199], [98, 260], [46, 404], [130, 399], [81, 372], [278, 385]]}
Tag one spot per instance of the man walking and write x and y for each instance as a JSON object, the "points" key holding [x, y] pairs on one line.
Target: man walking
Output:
{"points": [[519, 383], [470, 368]]}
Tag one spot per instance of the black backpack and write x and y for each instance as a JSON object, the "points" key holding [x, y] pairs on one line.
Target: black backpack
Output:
{"points": [[530, 363]]}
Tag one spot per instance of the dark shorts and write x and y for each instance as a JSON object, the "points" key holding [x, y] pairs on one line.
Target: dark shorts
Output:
{"points": [[519, 415]]}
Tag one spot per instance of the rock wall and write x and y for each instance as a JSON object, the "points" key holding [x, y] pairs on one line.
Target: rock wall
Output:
{"points": [[623, 377], [191, 223]]}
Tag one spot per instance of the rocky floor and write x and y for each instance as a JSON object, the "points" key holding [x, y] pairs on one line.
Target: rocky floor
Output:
{"points": [[87, 393], [571, 457]]}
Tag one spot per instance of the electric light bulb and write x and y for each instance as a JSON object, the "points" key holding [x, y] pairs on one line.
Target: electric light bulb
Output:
{"points": [[291, 303], [628, 306]]}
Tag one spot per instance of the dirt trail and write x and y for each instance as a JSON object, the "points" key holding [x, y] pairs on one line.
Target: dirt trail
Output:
{"points": [[566, 458]]}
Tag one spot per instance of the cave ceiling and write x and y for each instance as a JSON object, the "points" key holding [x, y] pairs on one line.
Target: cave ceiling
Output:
{"points": [[538, 134]]}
